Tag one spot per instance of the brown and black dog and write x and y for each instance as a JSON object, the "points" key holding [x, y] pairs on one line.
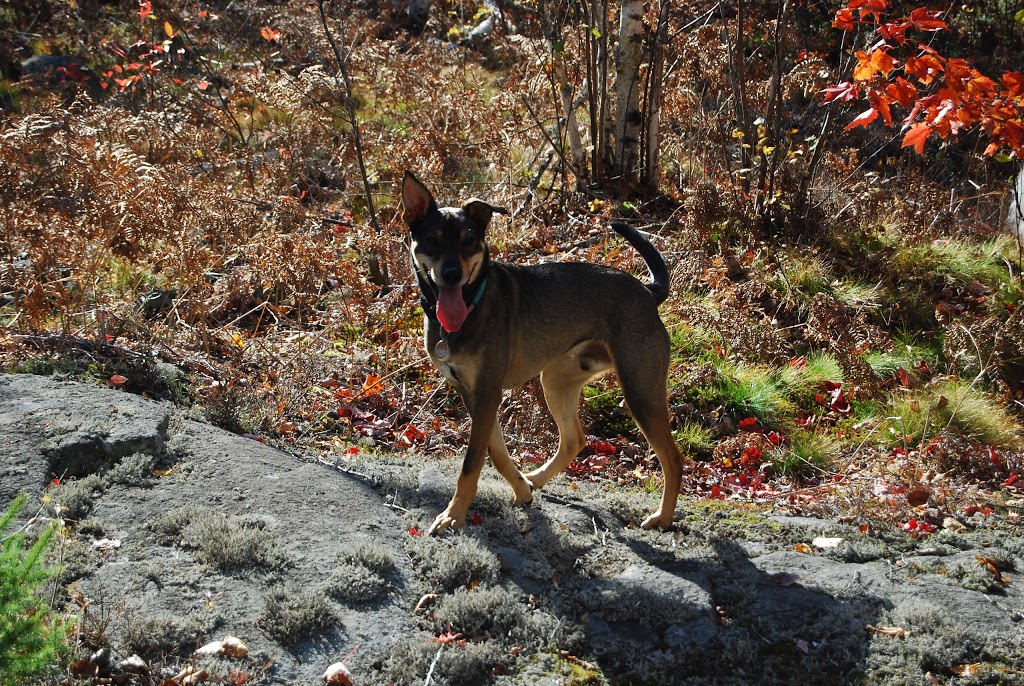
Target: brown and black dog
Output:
{"points": [[492, 325]]}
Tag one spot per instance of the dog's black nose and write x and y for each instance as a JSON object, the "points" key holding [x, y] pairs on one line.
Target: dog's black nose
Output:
{"points": [[451, 274]]}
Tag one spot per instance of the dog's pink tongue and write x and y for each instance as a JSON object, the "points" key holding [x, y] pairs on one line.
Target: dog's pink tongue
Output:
{"points": [[451, 308]]}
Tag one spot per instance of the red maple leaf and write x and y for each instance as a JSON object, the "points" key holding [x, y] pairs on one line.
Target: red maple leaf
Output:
{"points": [[862, 119], [448, 637], [927, 20], [917, 136], [844, 92], [749, 424]]}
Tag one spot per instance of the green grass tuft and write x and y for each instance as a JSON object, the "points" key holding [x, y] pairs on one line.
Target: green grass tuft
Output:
{"points": [[800, 276], [808, 453], [695, 439], [919, 417]]}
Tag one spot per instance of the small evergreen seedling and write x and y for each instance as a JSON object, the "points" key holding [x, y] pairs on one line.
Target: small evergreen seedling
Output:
{"points": [[31, 638]]}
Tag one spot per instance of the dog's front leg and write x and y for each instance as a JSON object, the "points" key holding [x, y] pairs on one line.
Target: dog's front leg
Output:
{"points": [[483, 409], [522, 490]]}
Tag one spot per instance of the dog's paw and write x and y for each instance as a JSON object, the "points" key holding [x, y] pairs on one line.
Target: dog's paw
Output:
{"points": [[522, 493], [521, 501], [658, 520], [536, 479], [445, 522]]}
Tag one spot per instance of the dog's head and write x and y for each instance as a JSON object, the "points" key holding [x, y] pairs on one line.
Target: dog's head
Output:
{"points": [[448, 243]]}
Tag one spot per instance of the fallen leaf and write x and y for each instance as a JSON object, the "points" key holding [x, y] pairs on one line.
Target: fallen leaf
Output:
{"points": [[338, 674], [824, 542], [973, 669], [891, 631], [426, 601], [134, 665], [918, 495], [372, 385], [105, 544], [190, 675], [448, 637], [234, 648], [993, 568]]}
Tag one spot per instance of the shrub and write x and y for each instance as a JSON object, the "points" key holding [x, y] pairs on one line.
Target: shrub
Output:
{"points": [[359, 576], [31, 637], [290, 616], [454, 562]]}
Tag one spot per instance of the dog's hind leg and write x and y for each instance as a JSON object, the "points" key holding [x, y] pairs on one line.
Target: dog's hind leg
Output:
{"points": [[502, 461], [562, 382], [643, 384]]}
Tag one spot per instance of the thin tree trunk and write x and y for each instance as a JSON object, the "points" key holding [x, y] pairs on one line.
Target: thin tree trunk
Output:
{"points": [[597, 82], [377, 267], [652, 141], [628, 118], [572, 127]]}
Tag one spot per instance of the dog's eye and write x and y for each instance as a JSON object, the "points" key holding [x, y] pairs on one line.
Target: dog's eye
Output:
{"points": [[468, 242], [428, 244]]}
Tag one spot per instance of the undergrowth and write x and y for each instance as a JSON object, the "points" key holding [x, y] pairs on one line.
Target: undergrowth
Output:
{"points": [[199, 230], [32, 637]]}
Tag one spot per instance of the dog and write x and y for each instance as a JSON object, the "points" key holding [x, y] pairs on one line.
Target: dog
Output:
{"points": [[492, 325]]}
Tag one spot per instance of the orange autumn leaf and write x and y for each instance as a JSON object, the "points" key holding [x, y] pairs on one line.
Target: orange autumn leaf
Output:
{"points": [[1013, 82], [869, 8], [925, 68], [844, 20], [880, 103], [864, 69], [878, 61], [901, 91], [916, 136], [863, 119], [372, 385], [927, 20], [448, 637]]}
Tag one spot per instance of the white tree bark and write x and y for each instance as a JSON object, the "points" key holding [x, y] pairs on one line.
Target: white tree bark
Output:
{"points": [[628, 118], [572, 127]]}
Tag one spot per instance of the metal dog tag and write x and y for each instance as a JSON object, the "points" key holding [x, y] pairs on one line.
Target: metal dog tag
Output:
{"points": [[441, 351]]}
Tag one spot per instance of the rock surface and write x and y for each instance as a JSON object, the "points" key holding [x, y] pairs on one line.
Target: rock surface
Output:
{"points": [[218, 534]]}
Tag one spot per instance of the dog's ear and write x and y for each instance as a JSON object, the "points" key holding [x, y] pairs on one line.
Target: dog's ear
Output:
{"points": [[417, 200], [480, 211]]}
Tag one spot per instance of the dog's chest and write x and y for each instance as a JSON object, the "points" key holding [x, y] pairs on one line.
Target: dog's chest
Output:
{"points": [[447, 369], [457, 366], [461, 371]]}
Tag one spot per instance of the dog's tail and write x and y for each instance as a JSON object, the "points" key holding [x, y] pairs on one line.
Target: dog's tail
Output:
{"points": [[655, 262]]}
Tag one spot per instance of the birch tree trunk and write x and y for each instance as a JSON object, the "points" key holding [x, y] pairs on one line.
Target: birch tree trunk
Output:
{"points": [[628, 118], [572, 127]]}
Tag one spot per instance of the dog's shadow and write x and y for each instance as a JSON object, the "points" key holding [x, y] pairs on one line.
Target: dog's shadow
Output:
{"points": [[676, 607], [649, 607]]}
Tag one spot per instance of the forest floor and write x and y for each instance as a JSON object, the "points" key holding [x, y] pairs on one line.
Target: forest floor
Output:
{"points": [[185, 534]]}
